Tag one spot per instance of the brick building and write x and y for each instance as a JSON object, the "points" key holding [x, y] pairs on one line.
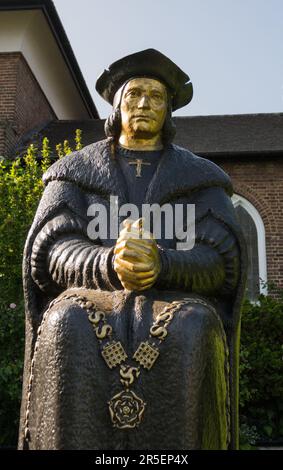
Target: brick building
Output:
{"points": [[40, 80], [43, 93]]}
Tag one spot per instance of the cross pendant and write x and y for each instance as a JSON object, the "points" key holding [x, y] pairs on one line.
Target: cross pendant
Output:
{"points": [[138, 162]]}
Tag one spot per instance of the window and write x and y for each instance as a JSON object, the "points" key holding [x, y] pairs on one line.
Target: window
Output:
{"points": [[254, 233]]}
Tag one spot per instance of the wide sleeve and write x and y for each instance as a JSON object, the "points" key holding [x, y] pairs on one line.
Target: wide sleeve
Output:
{"points": [[63, 256], [211, 267]]}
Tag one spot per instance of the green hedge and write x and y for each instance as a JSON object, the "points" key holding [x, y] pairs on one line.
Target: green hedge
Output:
{"points": [[261, 377], [262, 324]]}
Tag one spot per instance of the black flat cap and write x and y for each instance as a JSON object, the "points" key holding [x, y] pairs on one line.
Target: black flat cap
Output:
{"points": [[147, 63]]}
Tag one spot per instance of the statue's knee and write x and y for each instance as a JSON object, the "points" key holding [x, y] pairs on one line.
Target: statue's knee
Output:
{"points": [[194, 312], [197, 320], [65, 316]]}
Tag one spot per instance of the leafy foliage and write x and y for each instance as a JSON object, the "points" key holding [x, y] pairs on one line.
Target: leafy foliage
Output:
{"points": [[261, 384]]}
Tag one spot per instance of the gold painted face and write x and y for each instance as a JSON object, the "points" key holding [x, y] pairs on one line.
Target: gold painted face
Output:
{"points": [[143, 108]]}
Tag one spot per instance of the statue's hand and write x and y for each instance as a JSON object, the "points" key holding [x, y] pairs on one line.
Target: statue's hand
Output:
{"points": [[137, 260]]}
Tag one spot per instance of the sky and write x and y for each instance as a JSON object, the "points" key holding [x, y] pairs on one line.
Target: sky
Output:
{"points": [[231, 49]]}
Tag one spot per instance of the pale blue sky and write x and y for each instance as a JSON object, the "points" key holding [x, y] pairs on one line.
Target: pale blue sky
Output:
{"points": [[231, 49]]}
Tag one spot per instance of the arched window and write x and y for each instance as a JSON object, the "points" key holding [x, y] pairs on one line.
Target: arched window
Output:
{"points": [[254, 233]]}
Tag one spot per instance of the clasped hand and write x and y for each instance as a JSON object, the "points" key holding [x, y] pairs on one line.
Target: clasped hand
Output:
{"points": [[137, 260]]}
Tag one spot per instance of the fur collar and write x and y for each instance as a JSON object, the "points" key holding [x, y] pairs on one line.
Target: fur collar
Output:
{"points": [[179, 172]]}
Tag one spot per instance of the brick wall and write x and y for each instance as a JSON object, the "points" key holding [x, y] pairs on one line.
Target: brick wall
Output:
{"points": [[23, 105], [2, 139], [261, 183]]}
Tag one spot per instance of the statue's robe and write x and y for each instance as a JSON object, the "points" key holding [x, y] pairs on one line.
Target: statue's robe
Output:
{"points": [[191, 391]]}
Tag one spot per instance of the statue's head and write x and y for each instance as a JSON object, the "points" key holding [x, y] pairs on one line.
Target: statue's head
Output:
{"points": [[144, 88], [143, 107]]}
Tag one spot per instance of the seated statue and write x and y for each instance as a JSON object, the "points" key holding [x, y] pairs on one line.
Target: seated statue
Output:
{"points": [[132, 341]]}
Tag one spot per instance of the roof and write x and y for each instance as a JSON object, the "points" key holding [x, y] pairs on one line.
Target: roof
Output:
{"points": [[54, 22], [232, 134], [210, 136]]}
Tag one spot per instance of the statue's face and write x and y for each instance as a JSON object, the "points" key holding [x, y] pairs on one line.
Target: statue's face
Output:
{"points": [[143, 107]]}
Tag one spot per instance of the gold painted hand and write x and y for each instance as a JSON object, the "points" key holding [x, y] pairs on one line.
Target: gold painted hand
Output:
{"points": [[137, 260]]}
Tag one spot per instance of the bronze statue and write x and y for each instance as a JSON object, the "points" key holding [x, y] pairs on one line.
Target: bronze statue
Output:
{"points": [[132, 343]]}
